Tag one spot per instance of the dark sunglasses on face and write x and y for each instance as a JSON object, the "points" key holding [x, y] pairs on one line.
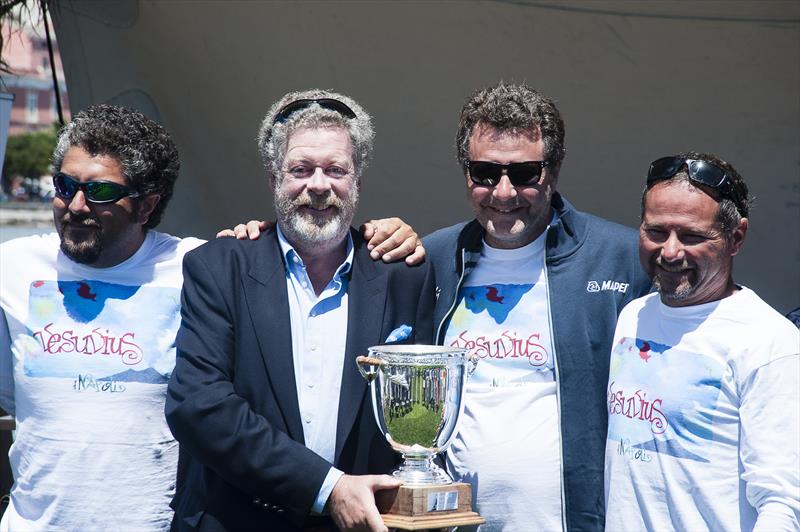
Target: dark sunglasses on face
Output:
{"points": [[326, 103], [488, 174], [95, 191], [699, 171]]}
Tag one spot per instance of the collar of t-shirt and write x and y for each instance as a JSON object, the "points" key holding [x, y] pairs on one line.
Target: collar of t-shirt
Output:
{"points": [[529, 253], [131, 263], [700, 312]]}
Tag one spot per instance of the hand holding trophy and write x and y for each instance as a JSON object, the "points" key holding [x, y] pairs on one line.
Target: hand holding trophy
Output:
{"points": [[417, 393]]}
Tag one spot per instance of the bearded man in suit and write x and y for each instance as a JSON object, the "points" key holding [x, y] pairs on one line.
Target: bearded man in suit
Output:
{"points": [[274, 422]]}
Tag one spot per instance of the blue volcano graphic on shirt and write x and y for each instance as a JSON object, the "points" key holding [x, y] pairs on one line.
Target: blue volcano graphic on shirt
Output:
{"points": [[664, 399], [497, 299], [670, 447], [103, 330], [147, 376], [85, 300]]}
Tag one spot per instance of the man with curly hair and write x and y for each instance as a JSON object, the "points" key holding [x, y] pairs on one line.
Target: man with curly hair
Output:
{"points": [[89, 317]]}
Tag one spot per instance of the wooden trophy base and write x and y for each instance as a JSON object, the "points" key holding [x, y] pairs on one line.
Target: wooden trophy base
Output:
{"points": [[424, 507]]}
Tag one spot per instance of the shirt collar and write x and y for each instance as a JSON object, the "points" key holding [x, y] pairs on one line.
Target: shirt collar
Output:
{"points": [[292, 259]]}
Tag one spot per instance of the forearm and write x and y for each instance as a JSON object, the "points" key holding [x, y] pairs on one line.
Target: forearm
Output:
{"points": [[776, 517], [770, 438]]}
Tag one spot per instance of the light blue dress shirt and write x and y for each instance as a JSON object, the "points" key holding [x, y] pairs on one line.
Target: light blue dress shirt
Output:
{"points": [[319, 337]]}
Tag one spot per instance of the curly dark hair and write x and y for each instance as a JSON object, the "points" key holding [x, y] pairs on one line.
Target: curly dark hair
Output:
{"points": [[512, 108], [143, 148]]}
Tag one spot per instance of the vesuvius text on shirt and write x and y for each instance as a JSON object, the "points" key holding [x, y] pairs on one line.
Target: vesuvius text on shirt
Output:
{"points": [[505, 345], [98, 341], [636, 406]]}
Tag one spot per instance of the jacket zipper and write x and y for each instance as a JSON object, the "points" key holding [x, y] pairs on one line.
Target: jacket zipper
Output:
{"points": [[439, 339], [558, 398]]}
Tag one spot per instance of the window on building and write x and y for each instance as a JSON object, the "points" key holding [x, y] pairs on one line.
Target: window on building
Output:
{"points": [[32, 107]]}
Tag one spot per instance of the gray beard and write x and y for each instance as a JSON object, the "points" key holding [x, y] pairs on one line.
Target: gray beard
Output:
{"points": [[680, 293], [305, 231]]}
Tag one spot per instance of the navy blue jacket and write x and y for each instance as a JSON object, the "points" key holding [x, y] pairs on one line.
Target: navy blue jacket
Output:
{"points": [[232, 399], [593, 270]]}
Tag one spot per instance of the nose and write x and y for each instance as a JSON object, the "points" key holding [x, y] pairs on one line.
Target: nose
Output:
{"points": [[504, 190], [78, 203], [318, 183], [672, 250]]}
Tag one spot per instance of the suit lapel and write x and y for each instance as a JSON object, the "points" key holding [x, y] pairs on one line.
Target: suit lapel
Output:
{"points": [[267, 300], [366, 301]]}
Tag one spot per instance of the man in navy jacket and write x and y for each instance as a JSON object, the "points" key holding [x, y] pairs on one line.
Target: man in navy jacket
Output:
{"points": [[275, 425], [533, 287]]}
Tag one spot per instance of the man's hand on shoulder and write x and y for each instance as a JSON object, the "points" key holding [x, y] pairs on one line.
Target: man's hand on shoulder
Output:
{"points": [[388, 239], [251, 230], [391, 239], [352, 502]]}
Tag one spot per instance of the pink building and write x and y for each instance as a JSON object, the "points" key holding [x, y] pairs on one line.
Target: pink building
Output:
{"points": [[31, 81]]}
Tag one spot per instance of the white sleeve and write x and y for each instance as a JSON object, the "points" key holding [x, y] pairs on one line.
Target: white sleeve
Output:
{"points": [[6, 367], [769, 449]]}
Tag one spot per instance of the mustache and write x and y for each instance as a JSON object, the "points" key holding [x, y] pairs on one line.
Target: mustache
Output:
{"points": [[87, 221], [318, 202], [503, 205], [675, 266]]}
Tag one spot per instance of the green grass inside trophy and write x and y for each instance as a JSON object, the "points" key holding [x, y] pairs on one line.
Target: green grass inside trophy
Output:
{"points": [[417, 393]]}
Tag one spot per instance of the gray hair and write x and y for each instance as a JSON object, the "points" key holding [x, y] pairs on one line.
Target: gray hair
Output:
{"points": [[510, 108], [273, 138]]}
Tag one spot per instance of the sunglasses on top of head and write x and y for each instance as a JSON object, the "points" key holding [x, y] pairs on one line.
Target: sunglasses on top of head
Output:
{"points": [[699, 171], [67, 186], [326, 103], [488, 174]]}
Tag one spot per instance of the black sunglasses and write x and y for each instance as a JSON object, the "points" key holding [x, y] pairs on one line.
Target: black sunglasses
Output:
{"points": [[95, 191], [326, 103], [699, 171], [488, 174]]}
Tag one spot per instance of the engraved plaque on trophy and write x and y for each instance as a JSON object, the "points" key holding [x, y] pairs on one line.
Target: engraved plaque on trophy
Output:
{"points": [[417, 393]]}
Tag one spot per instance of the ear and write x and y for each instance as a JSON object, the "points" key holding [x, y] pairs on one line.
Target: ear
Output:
{"points": [[738, 236], [147, 205]]}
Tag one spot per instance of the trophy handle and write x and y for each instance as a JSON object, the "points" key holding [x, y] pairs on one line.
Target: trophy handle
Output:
{"points": [[368, 367]]}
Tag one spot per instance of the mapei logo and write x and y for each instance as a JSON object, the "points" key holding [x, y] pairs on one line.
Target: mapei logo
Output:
{"points": [[614, 286]]}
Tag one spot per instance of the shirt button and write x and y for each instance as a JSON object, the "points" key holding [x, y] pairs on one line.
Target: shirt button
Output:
{"points": [[308, 419], [313, 348], [296, 260], [310, 384]]}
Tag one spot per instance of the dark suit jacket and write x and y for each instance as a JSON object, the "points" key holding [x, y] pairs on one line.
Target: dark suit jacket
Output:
{"points": [[232, 402]]}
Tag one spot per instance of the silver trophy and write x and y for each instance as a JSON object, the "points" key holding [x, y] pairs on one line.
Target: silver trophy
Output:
{"points": [[417, 393]]}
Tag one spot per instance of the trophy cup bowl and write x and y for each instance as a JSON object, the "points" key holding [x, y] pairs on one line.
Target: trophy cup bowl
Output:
{"points": [[417, 393]]}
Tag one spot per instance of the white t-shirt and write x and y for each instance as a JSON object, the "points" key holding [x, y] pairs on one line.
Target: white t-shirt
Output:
{"points": [[508, 442], [704, 417], [91, 351]]}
